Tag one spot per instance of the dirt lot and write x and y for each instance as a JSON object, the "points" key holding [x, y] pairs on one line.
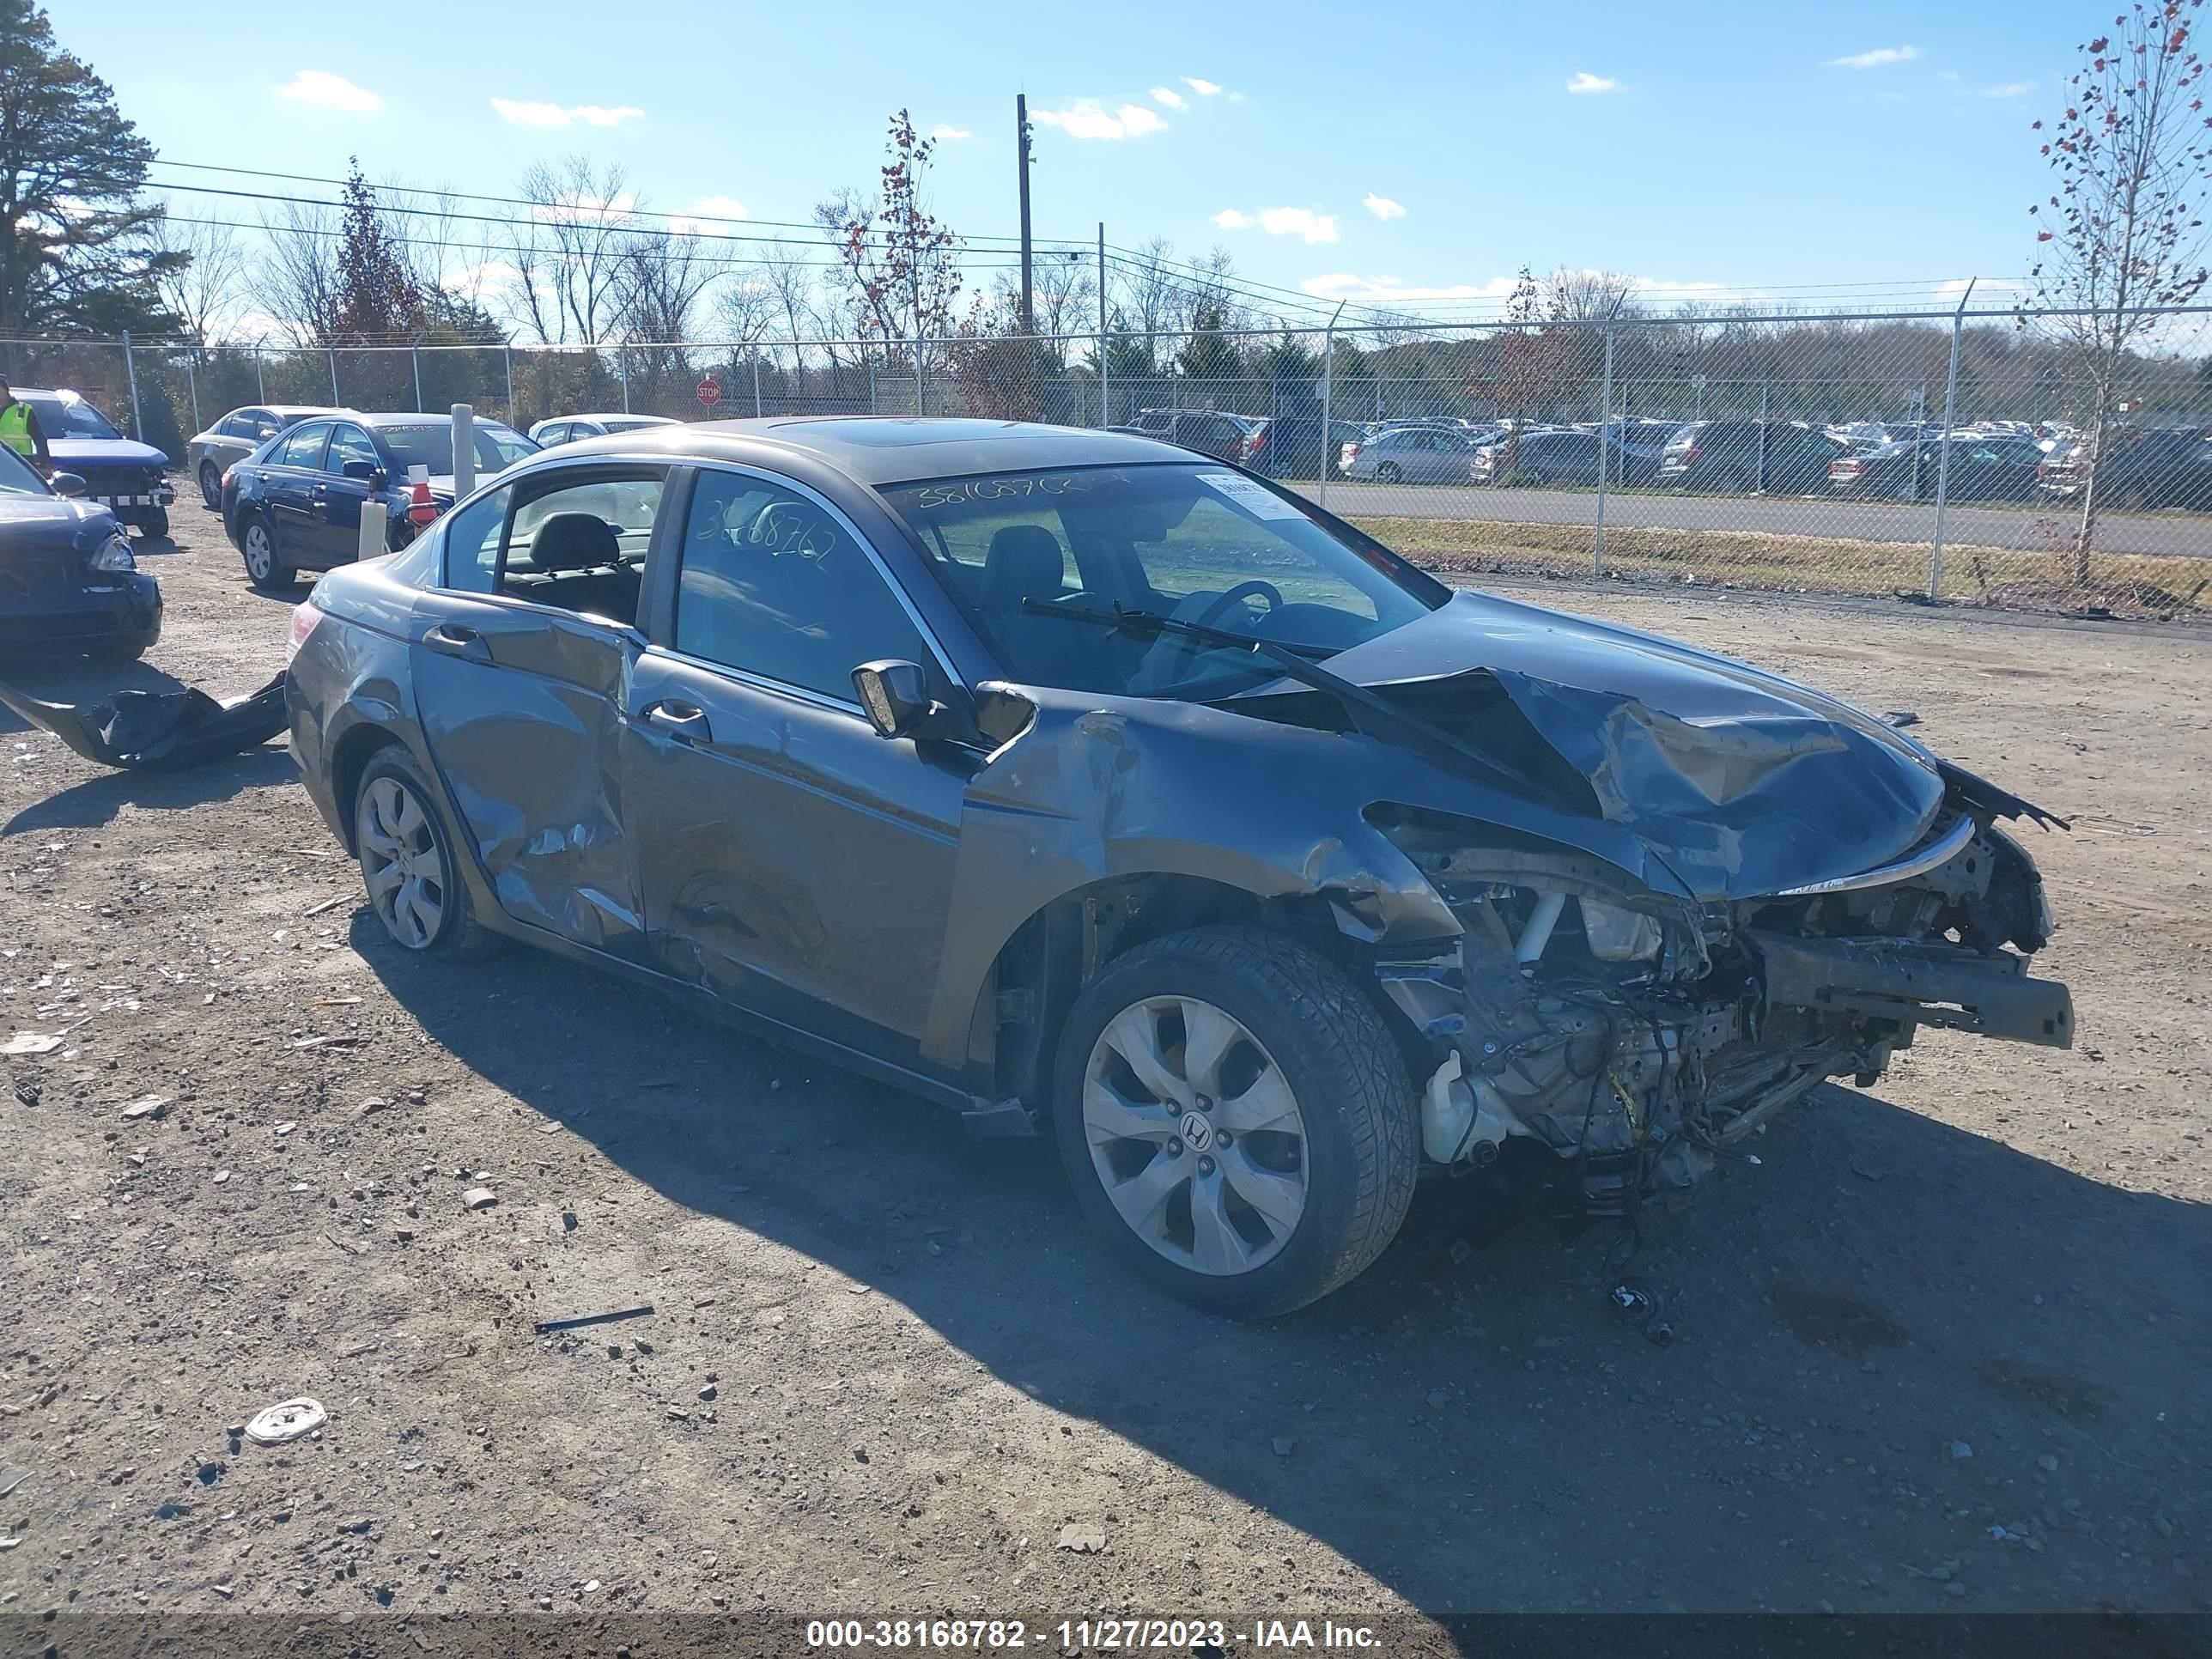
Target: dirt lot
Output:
{"points": [[1942, 1347]]}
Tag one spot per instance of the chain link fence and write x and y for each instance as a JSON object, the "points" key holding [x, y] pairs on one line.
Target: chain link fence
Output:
{"points": [[1977, 457]]}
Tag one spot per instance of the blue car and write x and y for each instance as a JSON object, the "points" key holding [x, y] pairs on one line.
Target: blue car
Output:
{"points": [[295, 504], [123, 476], [69, 585]]}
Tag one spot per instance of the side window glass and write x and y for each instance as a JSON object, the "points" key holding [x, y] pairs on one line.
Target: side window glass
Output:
{"points": [[350, 443], [582, 546], [304, 448], [472, 541], [774, 585]]}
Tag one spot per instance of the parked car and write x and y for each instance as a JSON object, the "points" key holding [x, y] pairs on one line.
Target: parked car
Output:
{"points": [[68, 582], [1411, 454], [2141, 468], [1559, 456], [212, 454], [1635, 448], [296, 503], [567, 429], [994, 761], [1984, 467], [1778, 456], [121, 474], [1209, 431], [1291, 445]]}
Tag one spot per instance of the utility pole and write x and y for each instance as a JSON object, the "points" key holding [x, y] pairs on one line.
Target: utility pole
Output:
{"points": [[1022, 154], [1104, 344]]}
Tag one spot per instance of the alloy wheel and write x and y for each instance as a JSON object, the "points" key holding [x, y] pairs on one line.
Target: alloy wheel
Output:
{"points": [[1196, 1135], [402, 865]]}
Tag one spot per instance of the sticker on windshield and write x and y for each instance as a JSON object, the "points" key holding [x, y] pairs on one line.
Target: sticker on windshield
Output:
{"points": [[1255, 498]]}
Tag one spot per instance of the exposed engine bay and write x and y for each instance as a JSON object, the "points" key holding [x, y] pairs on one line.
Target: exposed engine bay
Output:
{"points": [[1639, 1038]]}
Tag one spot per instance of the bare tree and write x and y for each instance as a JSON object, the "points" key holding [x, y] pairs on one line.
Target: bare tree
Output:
{"points": [[1584, 296], [569, 258], [660, 279], [1066, 296], [748, 308], [2124, 229], [204, 289], [298, 282], [1151, 292]]}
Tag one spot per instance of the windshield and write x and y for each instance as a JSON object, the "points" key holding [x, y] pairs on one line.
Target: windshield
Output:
{"points": [[70, 417], [1199, 543], [17, 478], [432, 446]]}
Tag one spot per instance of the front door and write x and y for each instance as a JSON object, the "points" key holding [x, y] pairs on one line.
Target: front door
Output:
{"points": [[522, 664], [794, 861], [338, 528], [295, 472]]}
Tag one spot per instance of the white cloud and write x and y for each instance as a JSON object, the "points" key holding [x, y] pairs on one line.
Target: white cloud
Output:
{"points": [[1086, 118], [1170, 97], [320, 89], [950, 134], [1392, 290], [526, 113], [1585, 81], [1383, 208], [1281, 221], [1202, 88], [575, 207], [704, 214], [480, 282], [1876, 58], [2009, 89]]}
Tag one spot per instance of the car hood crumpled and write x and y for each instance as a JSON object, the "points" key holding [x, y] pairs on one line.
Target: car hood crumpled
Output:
{"points": [[1740, 782]]}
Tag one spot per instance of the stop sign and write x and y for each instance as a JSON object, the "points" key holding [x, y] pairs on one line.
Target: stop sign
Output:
{"points": [[710, 391]]}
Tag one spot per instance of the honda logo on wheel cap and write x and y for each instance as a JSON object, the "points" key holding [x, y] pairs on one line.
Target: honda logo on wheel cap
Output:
{"points": [[1197, 1133]]}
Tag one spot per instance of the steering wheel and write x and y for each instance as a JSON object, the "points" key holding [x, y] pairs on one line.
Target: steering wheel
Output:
{"points": [[1236, 596]]}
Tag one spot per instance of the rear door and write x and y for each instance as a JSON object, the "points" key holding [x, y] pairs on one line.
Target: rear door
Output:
{"points": [[795, 862], [521, 666]]}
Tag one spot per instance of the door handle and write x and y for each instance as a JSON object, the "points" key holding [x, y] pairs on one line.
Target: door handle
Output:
{"points": [[679, 719], [455, 641]]}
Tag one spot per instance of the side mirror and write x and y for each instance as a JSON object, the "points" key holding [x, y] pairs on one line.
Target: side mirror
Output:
{"points": [[365, 470], [896, 696], [71, 484]]}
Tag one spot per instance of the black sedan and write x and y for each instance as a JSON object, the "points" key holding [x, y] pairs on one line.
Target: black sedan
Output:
{"points": [[295, 504], [1984, 467], [1097, 789], [68, 582]]}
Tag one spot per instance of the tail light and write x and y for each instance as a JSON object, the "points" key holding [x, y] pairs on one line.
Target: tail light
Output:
{"points": [[304, 618], [1256, 443], [228, 473], [1351, 453]]}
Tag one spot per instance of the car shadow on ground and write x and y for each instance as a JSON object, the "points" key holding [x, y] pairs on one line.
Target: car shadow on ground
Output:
{"points": [[95, 801], [1881, 1331]]}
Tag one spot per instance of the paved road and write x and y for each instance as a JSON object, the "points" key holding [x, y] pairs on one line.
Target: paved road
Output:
{"points": [[2019, 529]]}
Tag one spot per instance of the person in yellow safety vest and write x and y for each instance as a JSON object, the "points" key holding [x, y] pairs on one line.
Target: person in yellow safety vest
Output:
{"points": [[20, 431]]}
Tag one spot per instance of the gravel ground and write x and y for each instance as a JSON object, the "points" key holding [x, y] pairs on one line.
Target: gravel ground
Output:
{"points": [[1942, 1348]]}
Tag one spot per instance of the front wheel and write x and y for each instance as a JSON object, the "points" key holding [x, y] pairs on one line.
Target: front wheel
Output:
{"points": [[155, 525], [1235, 1120], [1388, 473]]}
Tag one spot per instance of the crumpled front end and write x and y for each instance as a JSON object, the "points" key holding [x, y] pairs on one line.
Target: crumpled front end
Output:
{"points": [[1637, 1038]]}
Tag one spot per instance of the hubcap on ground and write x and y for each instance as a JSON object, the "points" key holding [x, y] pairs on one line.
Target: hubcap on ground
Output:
{"points": [[1196, 1135], [260, 557], [400, 863]]}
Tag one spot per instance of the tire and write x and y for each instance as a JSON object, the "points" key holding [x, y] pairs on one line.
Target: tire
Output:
{"points": [[399, 825], [210, 486], [1350, 1157], [1388, 472], [115, 654], [157, 524], [265, 569]]}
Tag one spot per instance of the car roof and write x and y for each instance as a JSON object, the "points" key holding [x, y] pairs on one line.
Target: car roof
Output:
{"points": [[378, 418], [610, 414], [883, 449]]}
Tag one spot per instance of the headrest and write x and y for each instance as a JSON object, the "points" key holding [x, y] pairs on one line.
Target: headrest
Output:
{"points": [[574, 541], [1024, 563]]}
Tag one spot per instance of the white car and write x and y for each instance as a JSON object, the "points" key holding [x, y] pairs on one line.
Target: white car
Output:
{"points": [[567, 429]]}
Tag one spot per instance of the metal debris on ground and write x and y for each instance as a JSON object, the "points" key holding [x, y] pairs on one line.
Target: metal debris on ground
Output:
{"points": [[1639, 1305], [151, 1106], [479, 1198], [157, 730], [545, 1326], [30, 1042], [1084, 1541], [288, 1420]]}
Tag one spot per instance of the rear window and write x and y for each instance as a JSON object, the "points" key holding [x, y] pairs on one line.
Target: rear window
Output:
{"points": [[432, 446]]}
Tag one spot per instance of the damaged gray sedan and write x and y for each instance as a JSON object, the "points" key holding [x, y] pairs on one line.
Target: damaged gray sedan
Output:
{"points": [[1086, 786]]}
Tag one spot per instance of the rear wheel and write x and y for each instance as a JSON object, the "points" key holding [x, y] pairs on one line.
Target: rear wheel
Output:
{"points": [[408, 862], [211, 486], [264, 567], [1388, 473], [1235, 1120]]}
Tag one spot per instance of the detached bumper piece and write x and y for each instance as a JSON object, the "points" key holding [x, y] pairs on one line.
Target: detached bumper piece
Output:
{"points": [[150, 731], [1938, 985]]}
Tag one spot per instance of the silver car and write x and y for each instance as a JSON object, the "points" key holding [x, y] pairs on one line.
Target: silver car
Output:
{"points": [[1412, 454], [236, 435], [567, 429]]}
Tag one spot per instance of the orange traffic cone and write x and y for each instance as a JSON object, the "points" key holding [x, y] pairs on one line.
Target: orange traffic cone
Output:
{"points": [[421, 509]]}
